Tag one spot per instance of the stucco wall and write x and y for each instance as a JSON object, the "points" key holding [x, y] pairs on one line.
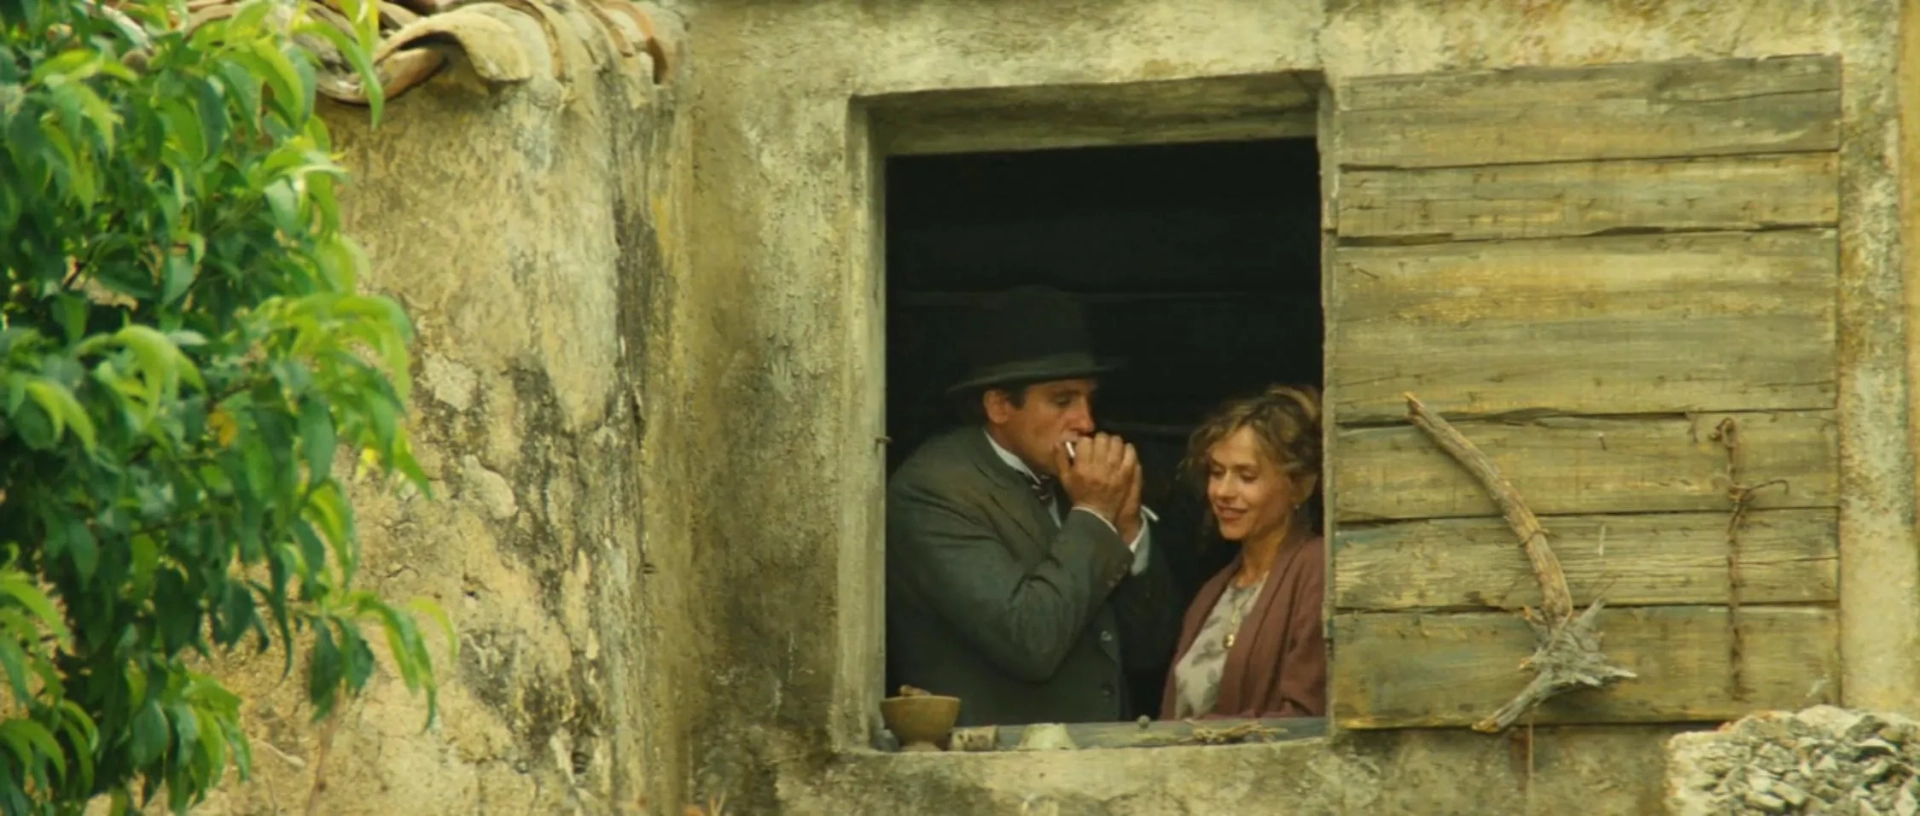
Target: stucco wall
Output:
{"points": [[648, 394], [519, 224], [1908, 80], [774, 381]]}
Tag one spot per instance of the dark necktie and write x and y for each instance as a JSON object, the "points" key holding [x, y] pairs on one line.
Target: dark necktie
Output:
{"points": [[1048, 491]]}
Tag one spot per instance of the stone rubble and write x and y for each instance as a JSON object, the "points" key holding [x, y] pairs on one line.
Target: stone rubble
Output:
{"points": [[1823, 760]]}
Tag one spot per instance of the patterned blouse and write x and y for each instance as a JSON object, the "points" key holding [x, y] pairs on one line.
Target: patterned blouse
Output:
{"points": [[1199, 672]]}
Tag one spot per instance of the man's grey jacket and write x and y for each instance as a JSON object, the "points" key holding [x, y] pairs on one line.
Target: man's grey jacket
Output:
{"points": [[992, 601]]}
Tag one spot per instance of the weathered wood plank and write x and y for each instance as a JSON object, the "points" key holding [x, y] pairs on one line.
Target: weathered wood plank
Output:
{"points": [[1394, 670], [1264, 106], [1572, 465], [1588, 198], [1612, 325], [1644, 110], [1786, 556], [1669, 80]]}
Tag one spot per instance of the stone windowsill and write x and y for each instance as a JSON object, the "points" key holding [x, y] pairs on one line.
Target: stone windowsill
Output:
{"points": [[1147, 734]]}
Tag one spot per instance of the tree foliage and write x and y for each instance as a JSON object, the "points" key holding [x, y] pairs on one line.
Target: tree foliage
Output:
{"points": [[184, 354]]}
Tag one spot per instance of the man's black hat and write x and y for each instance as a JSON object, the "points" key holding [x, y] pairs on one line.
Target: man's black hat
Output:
{"points": [[1026, 335]]}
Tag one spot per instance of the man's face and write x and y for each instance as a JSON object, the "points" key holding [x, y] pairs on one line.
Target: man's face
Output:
{"points": [[1052, 413]]}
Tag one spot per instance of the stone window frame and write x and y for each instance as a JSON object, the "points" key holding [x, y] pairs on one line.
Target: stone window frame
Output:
{"points": [[1288, 104]]}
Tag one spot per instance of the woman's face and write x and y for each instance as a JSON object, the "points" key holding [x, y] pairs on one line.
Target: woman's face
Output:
{"points": [[1251, 498]]}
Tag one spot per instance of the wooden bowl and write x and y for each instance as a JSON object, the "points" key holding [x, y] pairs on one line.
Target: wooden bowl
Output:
{"points": [[922, 722]]}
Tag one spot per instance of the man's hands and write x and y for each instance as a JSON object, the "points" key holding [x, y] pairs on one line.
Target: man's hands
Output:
{"points": [[1103, 476], [1128, 522]]}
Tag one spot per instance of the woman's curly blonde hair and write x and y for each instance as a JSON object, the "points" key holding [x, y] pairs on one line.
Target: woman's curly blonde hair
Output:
{"points": [[1284, 418]]}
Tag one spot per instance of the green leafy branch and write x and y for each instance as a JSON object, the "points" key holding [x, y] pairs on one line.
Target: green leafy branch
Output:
{"points": [[184, 353]]}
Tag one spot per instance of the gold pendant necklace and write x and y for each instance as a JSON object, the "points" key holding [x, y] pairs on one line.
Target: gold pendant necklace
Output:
{"points": [[1240, 608], [1240, 613]]}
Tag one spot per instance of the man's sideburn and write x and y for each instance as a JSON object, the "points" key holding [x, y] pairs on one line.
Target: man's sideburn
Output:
{"points": [[1045, 414]]}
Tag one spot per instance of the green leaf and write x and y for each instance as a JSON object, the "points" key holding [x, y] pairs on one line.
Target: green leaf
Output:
{"points": [[410, 467], [212, 758], [21, 748], [358, 56], [84, 738], [316, 435], [16, 392], [98, 113], [39, 738], [186, 728], [186, 339], [144, 560], [79, 726], [179, 276], [149, 733], [403, 638], [212, 109], [242, 752], [237, 614], [62, 409], [284, 206], [186, 132], [84, 549], [34, 428], [427, 607], [384, 415], [272, 65], [71, 310], [160, 361], [327, 509], [15, 586], [358, 658], [249, 20], [76, 64], [312, 551], [75, 168], [323, 672], [15, 660]]}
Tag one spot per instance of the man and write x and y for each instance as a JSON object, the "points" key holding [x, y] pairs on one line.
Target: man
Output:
{"points": [[1020, 574]]}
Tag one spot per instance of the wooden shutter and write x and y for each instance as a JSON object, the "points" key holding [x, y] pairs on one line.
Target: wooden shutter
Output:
{"points": [[1587, 270]]}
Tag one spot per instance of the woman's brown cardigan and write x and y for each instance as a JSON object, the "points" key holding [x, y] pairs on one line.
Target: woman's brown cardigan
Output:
{"points": [[1278, 664]]}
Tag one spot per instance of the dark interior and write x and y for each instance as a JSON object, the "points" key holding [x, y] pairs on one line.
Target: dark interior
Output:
{"points": [[1199, 265]]}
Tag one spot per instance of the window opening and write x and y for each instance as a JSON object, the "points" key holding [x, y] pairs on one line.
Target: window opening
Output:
{"points": [[1199, 264]]}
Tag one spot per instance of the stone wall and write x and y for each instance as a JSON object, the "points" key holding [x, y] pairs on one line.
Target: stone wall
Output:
{"points": [[520, 224], [1823, 760], [776, 356], [1452, 773]]}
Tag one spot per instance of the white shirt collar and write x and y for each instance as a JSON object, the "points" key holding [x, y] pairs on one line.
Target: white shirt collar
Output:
{"points": [[1008, 457], [1137, 545]]}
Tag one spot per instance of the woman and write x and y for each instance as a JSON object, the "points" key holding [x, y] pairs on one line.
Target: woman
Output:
{"points": [[1252, 645]]}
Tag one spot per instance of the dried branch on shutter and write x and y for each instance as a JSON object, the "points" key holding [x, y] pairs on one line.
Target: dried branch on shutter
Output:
{"points": [[1727, 433], [1567, 648]]}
